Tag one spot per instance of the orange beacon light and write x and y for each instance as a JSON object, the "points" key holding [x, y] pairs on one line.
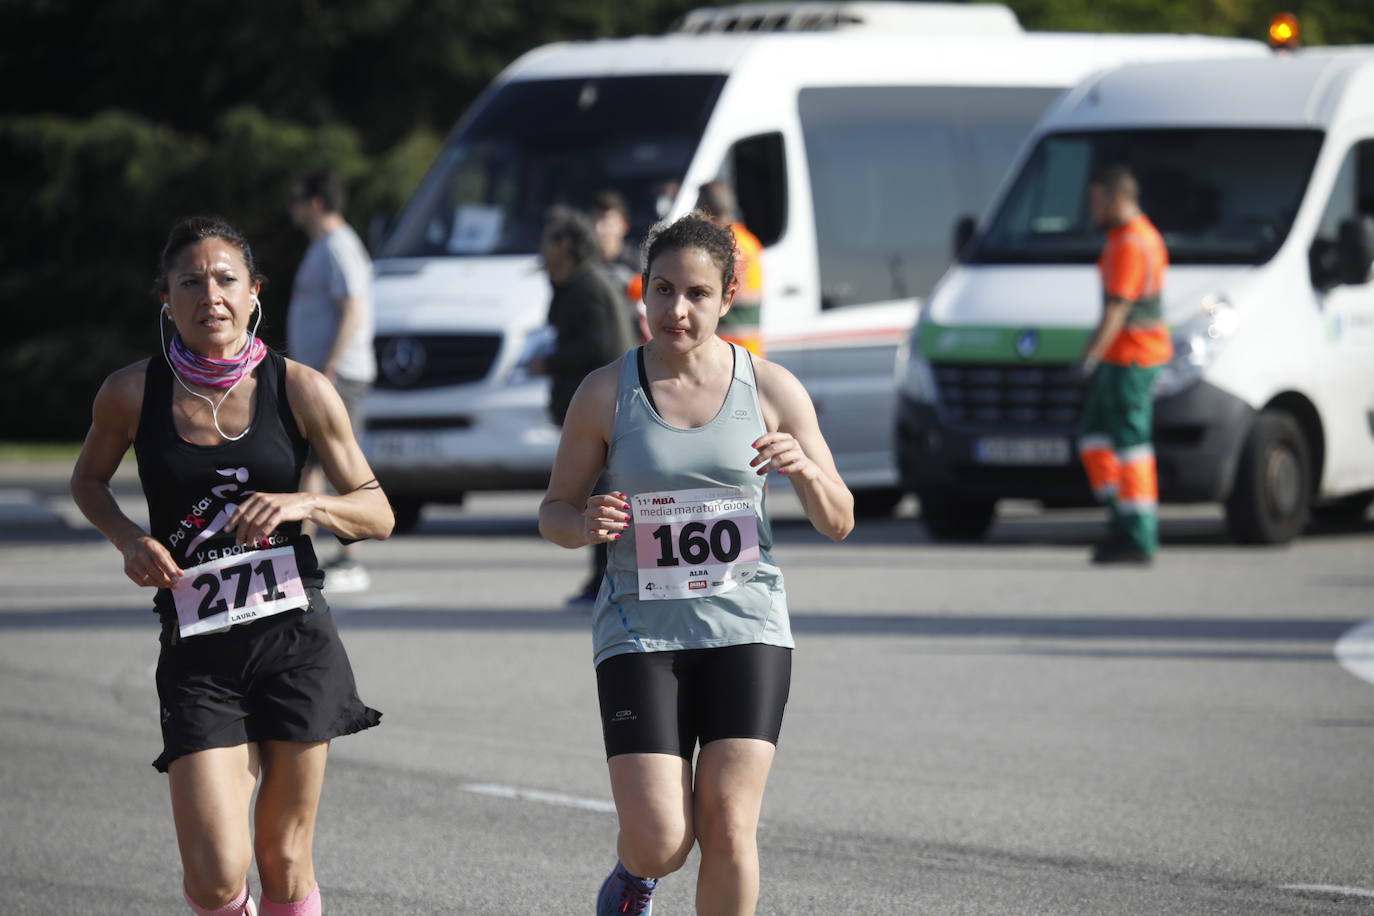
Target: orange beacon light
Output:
{"points": [[1284, 33]]}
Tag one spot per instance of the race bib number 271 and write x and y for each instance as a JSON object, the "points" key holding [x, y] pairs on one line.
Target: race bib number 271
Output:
{"points": [[216, 595], [694, 543]]}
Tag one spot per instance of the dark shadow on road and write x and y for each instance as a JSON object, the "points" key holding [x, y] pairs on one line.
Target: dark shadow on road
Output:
{"points": [[1052, 529], [56, 533], [916, 625], [479, 527]]}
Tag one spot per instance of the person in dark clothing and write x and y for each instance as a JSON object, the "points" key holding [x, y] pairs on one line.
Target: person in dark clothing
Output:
{"points": [[611, 217], [592, 328]]}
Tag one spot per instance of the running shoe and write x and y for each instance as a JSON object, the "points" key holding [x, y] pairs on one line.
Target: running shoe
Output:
{"points": [[623, 893], [344, 575], [584, 602], [1118, 553]]}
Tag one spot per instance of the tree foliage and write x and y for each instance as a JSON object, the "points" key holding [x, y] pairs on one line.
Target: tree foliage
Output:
{"points": [[122, 117]]}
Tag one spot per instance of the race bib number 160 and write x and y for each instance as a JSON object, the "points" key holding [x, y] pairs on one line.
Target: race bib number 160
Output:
{"points": [[235, 589], [694, 543]]}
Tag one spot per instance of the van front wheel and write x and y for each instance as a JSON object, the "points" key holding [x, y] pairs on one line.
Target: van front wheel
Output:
{"points": [[1272, 494], [954, 518]]}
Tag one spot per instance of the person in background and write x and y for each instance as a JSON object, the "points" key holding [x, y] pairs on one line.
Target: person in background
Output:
{"points": [[742, 324], [1120, 363], [611, 217], [329, 326], [591, 327]]}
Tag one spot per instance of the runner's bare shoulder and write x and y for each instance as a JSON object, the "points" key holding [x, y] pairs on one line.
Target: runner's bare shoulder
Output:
{"points": [[123, 389]]}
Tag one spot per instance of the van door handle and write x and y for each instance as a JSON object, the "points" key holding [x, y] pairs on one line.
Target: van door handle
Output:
{"points": [[790, 291]]}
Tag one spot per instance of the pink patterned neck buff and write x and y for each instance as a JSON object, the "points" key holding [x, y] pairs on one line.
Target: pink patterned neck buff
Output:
{"points": [[209, 372]]}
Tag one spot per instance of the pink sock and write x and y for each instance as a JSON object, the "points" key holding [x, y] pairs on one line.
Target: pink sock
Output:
{"points": [[241, 905], [310, 906]]}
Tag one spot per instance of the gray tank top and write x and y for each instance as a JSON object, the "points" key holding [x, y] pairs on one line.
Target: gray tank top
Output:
{"points": [[663, 469]]}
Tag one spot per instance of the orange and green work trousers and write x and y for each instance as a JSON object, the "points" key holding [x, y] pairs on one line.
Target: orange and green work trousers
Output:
{"points": [[1114, 443]]}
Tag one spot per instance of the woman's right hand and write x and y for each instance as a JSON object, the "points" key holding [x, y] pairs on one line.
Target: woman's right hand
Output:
{"points": [[147, 563], [607, 516]]}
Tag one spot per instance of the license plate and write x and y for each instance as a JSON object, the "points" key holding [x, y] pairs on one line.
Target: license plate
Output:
{"points": [[1029, 450], [404, 448]]}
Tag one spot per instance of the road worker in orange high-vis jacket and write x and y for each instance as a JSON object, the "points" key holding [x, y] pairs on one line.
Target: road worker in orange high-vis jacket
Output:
{"points": [[1119, 364]]}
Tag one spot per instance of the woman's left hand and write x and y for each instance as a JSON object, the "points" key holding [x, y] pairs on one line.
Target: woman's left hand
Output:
{"points": [[781, 452], [260, 514]]}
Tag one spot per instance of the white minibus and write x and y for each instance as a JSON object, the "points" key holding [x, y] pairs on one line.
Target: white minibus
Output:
{"points": [[854, 133]]}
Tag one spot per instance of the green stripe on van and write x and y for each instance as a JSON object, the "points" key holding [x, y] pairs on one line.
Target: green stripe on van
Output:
{"points": [[981, 344]]}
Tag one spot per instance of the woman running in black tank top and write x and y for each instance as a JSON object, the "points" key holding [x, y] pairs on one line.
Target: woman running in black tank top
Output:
{"points": [[252, 676]]}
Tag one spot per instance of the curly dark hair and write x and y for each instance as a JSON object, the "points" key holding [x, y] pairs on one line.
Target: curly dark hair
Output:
{"points": [[694, 230], [197, 229]]}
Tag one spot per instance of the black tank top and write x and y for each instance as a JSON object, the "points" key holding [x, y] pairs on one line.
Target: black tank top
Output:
{"points": [[192, 490]]}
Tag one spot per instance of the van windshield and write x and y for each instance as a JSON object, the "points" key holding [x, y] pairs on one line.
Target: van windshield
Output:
{"points": [[536, 143], [1218, 196]]}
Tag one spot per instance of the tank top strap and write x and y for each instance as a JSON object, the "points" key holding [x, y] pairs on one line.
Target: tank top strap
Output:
{"points": [[275, 379], [748, 380], [155, 416], [628, 388]]}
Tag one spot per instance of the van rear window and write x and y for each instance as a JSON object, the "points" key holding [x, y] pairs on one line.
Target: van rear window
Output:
{"points": [[1217, 195], [531, 144], [894, 167]]}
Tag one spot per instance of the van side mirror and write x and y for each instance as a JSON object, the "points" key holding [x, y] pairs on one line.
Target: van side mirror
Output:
{"points": [[1355, 250], [963, 233]]}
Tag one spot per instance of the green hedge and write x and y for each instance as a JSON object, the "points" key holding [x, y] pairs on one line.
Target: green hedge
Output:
{"points": [[86, 209]]}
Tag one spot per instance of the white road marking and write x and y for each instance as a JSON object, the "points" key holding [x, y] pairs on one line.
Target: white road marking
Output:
{"points": [[548, 798], [1355, 651], [1329, 889]]}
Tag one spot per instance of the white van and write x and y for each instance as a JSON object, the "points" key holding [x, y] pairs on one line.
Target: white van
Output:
{"points": [[855, 133], [1260, 175]]}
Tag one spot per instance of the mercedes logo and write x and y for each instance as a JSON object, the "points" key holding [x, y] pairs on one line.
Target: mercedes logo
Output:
{"points": [[403, 361], [1027, 342]]}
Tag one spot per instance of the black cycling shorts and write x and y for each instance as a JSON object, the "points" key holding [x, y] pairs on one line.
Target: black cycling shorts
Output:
{"points": [[668, 702], [281, 678]]}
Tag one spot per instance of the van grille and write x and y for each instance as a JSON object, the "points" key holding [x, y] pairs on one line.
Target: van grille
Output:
{"points": [[978, 394], [407, 362]]}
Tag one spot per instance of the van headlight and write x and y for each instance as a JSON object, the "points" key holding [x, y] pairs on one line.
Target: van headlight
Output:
{"points": [[1196, 345], [912, 370], [537, 346]]}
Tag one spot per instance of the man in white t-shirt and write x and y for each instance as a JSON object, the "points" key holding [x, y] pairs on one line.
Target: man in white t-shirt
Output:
{"points": [[329, 325]]}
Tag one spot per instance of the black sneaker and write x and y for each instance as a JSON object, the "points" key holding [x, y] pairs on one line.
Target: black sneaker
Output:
{"points": [[584, 602], [1120, 553]]}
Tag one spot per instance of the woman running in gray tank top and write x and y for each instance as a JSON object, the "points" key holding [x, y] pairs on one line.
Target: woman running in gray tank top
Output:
{"points": [[691, 634]]}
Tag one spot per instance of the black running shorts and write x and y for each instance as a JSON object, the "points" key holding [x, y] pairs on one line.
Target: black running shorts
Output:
{"points": [[668, 702], [281, 678]]}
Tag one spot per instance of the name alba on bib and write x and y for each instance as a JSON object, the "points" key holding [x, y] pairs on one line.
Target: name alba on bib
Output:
{"points": [[694, 543], [214, 596]]}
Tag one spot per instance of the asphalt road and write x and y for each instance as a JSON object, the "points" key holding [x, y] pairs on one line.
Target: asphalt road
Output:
{"points": [[994, 729]]}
